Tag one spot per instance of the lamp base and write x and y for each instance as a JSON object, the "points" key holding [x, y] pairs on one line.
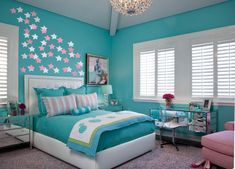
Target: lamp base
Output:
{"points": [[106, 99]]}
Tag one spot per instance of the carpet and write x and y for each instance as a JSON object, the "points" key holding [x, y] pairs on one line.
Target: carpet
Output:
{"points": [[160, 158]]}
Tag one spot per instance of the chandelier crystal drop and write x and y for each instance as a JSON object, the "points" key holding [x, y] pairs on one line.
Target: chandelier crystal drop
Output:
{"points": [[130, 7]]}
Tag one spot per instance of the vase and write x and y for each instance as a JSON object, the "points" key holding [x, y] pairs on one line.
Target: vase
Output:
{"points": [[168, 103]]}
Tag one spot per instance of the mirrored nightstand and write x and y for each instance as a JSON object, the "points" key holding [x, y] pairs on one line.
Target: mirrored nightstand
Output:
{"points": [[15, 131]]}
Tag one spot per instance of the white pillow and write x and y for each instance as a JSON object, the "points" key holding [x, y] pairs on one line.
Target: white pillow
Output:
{"points": [[84, 100], [59, 105]]}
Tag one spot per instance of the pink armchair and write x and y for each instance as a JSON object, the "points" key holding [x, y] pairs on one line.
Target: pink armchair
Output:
{"points": [[218, 148]]}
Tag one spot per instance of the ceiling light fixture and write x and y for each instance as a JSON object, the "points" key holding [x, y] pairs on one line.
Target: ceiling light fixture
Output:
{"points": [[130, 7]]}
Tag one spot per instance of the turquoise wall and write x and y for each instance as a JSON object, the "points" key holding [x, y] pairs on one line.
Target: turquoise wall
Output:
{"points": [[86, 39], [121, 62]]}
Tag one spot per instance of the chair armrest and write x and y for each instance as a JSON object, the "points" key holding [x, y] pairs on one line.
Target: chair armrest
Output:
{"points": [[229, 125]]}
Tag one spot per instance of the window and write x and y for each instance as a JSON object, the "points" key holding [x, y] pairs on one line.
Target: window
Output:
{"points": [[192, 66], [8, 56], [226, 68], [153, 81], [3, 69], [202, 70], [165, 71], [147, 74]]}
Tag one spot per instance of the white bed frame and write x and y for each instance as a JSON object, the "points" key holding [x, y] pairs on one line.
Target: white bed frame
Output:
{"points": [[105, 159]]}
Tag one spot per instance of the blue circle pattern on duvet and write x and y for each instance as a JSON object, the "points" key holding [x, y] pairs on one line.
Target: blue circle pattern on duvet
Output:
{"points": [[82, 128]]}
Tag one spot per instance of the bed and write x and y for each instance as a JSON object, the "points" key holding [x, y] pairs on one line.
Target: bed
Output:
{"points": [[114, 147]]}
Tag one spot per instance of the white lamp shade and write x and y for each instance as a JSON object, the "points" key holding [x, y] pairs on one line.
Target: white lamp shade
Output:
{"points": [[107, 89]]}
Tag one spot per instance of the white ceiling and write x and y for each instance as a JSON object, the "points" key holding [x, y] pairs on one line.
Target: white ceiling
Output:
{"points": [[99, 12]]}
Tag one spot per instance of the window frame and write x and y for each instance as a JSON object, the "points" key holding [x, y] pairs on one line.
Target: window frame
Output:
{"points": [[143, 47], [12, 34], [213, 54]]}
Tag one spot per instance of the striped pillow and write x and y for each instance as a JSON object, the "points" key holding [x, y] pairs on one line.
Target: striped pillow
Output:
{"points": [[89, 100], [59, 105]]}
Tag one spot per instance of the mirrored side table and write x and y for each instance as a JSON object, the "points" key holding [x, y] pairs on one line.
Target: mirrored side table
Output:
{"points": [[15, 131]]}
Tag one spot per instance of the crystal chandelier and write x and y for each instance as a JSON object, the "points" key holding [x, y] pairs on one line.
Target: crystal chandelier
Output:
{"points": [[130, 7]]}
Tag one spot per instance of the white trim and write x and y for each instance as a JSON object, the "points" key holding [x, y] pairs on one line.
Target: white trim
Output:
{"points": [[105, 159], [12, 34], [183, 72]]}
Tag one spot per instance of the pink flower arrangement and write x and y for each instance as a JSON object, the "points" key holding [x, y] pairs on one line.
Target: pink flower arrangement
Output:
{"points": [[168, 96], [22, 106]]}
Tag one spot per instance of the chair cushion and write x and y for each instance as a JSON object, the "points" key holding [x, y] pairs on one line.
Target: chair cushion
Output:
{"points": [[229, 125], [222, 142]]}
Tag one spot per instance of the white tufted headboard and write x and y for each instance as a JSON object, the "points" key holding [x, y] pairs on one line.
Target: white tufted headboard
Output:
{"points": [[32, 81]]}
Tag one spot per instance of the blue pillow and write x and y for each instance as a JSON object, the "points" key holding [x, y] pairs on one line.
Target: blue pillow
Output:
{"points": [[80, 90], [81, 110], [43, 92]]}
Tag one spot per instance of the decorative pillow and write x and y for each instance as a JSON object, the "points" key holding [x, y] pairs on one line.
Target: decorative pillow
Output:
{"points": [[59, 105], [43, 92], [81, 110], [80, 90], [87, 100]]}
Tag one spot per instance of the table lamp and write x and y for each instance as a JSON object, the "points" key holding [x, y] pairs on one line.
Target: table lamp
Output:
{"points": [[107, 90]]}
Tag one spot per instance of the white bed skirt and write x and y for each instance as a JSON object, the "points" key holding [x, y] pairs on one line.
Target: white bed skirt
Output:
{"points": [[105, 159]]}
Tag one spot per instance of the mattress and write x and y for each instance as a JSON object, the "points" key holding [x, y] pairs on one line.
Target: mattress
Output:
{"points": [[59, 127]]}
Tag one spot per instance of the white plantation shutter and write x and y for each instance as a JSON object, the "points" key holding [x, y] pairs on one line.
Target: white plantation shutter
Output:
{"points": [[226, 68], [3, 70], [147, 74], [202, 70], [166, 71]]}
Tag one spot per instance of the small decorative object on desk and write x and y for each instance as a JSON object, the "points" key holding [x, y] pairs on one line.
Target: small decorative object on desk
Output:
{"points": [[168, 98], [207, 104], [22, 108], [195, 106]]}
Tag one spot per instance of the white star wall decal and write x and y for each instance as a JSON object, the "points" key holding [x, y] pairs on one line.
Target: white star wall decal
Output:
{"points": [[20, 19], [43, 43], [24, 56], [71, 44], [54, 36], [24, 44], [44, 55], [37, 19], [31, 49], [34, 36], [27, 15], [56, 70], [81, 73], [58, 58], [19, 10]]}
